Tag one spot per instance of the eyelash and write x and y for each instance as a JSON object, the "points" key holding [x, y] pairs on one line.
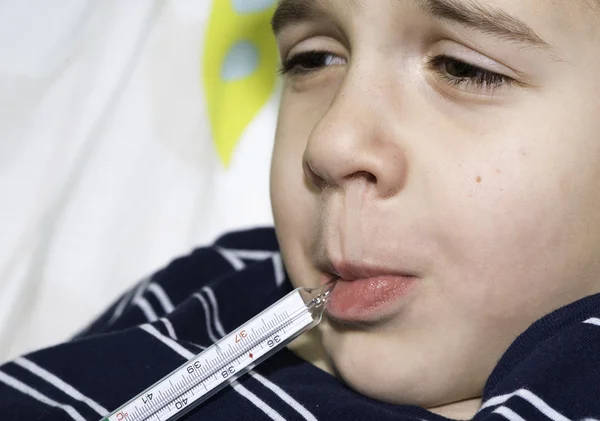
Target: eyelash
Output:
{"points": [[476, 76], [311, 61], [296, 65]]}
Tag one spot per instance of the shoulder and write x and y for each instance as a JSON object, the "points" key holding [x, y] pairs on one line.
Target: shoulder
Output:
{"points": [[153, 328], [262, 238], [552, 368], [230, 263], [229, 253]]}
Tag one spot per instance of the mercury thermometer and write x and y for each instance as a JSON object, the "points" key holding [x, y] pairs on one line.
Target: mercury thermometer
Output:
{"points": [[231, 357]]}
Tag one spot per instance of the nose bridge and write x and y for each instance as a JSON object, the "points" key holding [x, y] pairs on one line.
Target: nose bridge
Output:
{"points": [[355, 136]]}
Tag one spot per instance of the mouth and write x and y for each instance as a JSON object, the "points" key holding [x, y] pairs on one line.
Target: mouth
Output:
{"points": [[366, 294]]}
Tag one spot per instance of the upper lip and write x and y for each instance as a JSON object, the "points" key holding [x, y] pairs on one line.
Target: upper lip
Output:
{"points": [[350, 271]]}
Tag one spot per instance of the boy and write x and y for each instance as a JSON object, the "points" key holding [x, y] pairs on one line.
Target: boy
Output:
{"points": [[442, 158]]}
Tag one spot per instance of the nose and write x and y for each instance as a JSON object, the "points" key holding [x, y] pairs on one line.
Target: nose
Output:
{"points": [[356, 138]]}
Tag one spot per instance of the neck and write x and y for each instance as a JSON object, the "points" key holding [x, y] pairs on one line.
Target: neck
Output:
{"points": [[463, 410]]}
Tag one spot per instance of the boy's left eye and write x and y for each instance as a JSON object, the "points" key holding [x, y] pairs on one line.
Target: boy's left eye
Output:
{"points": [[467, 76], [309, 61]]}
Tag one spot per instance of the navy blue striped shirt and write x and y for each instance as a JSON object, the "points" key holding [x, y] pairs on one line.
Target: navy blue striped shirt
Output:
{"points": [[550, 372]]}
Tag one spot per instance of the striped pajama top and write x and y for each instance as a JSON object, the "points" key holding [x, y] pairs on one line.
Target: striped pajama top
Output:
{"points": [[550, 372]]}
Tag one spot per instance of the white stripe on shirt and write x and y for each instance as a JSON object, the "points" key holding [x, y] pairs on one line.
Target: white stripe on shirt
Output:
{"points": [[200, 347], [233, 260], [136, 292], [278, 269], [211, 335], [213, 300], [530, 397], [121, 307], [169, 327], [60, 384], [256, 401], [284, 396], [252, 254], [23, 388], [509, 414], [146, 308], [593, 321], [188, 355], [162, 297]]}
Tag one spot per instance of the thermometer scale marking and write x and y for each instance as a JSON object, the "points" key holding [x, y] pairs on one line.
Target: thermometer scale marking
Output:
{"points": [[215, 365]]}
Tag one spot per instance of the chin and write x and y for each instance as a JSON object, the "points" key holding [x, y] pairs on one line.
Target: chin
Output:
{"points": [[373, 367]]}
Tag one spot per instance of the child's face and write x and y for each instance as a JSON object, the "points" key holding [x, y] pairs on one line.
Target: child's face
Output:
{"points": [[474, 187]]}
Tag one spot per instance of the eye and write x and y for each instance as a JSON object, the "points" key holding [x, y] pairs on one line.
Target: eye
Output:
{"points": [[458, 73], [309, 62]]}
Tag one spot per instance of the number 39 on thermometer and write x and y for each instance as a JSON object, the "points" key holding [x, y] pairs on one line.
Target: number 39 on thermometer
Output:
{"points": [[228, 359]]}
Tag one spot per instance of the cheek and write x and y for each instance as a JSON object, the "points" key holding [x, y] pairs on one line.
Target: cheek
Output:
{"points": [[299, 113], [286, 165], [293, 202], [516, 235]]}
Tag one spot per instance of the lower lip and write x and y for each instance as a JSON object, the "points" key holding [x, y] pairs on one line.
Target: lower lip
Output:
{"points": [[368, 299]]}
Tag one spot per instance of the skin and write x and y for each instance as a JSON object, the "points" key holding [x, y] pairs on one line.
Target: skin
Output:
{"points": [[488, 195]]}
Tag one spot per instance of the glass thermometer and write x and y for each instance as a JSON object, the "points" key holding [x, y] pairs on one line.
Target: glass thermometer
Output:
{"points": [[229, 358]]}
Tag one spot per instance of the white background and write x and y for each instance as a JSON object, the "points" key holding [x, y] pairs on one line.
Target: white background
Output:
{"points": [[107, 167]]}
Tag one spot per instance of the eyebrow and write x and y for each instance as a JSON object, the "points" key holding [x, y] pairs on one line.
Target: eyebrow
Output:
{"points": [[467, 13]]}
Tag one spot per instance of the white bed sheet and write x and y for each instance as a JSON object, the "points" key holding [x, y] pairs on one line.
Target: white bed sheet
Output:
{"points": [[107, 166]]}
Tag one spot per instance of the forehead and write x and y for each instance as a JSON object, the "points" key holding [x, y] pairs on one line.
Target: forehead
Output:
{"points": [[574, 9], [589, 4], [561, 22]]}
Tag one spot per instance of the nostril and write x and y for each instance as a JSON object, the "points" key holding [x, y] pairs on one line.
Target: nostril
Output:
{"points": [[367, 176]]}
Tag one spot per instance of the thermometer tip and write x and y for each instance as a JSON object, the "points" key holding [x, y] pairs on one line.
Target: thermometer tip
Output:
{"points": [[328, 287]]}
